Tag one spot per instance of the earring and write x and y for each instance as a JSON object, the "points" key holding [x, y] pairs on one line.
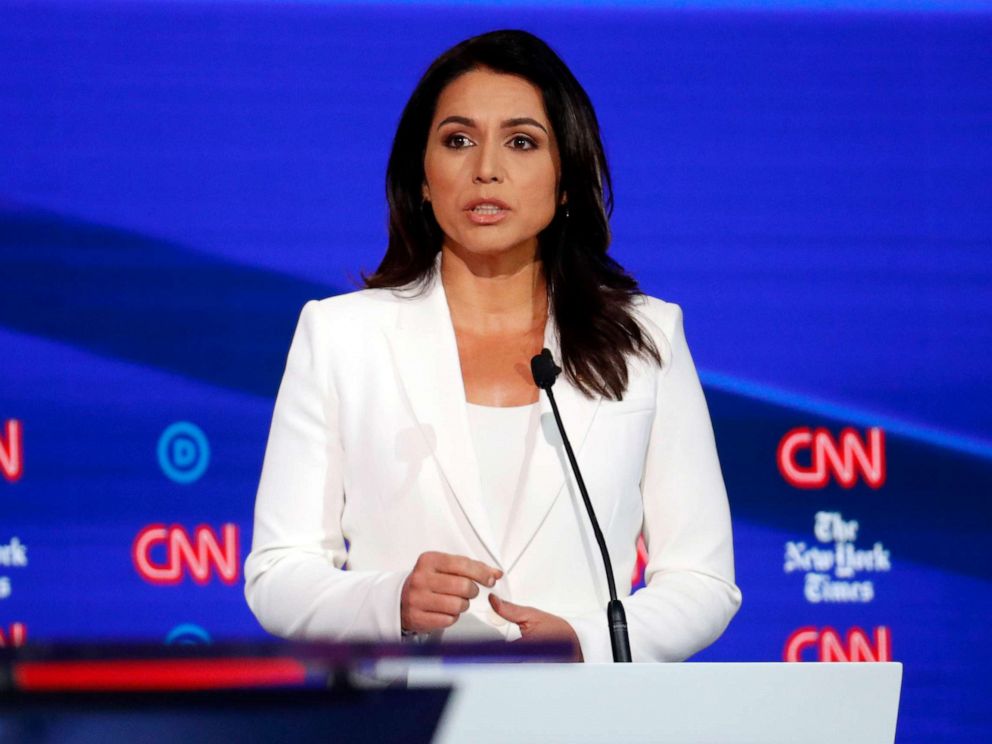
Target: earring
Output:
{"points": [[566, 213]]}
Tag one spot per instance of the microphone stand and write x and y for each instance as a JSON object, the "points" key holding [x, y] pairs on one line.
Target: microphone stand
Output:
{"points": [[545, 371]]}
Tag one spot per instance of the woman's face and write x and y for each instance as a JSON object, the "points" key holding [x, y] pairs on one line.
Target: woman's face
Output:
{"points": [[491, 166]]}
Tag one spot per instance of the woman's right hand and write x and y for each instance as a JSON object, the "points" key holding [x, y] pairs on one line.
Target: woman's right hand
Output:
{"points": [[439, 588]]}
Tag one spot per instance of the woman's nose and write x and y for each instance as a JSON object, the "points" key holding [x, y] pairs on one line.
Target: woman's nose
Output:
{"points": [[487, 165]]}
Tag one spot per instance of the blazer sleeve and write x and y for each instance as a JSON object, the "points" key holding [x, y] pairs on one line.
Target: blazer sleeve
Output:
{"points": [[689, 595], [295, 583]]}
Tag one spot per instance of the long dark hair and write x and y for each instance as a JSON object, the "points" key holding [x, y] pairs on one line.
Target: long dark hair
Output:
{"points": [[590, 294]]}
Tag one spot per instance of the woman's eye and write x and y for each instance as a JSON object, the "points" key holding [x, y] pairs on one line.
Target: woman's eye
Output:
{"points": [[457, 141], [521, 142]]}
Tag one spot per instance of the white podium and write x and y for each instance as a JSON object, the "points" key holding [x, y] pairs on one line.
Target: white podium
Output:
{"points": [[685, 703]]}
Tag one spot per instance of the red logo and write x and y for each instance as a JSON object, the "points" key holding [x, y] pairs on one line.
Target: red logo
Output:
{"points": [[11, 451], [16, 635], [176, 553], [637, 579], [845, 457], [827, 646]]}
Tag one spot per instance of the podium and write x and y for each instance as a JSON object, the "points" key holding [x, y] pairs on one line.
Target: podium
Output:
{"points": [[469, 692], [854, 703]]}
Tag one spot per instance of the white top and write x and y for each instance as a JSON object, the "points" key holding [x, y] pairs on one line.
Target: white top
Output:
{"points": [[377, 491], [503, 439]]}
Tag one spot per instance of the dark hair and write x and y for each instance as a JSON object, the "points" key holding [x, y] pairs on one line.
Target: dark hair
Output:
{"points": [[590, 294]]}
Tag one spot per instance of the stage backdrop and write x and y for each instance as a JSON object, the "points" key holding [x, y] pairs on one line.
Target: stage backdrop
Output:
{"points": [[812, 182]]}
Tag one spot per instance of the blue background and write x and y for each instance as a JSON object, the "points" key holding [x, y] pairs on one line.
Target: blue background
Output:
{"points": [[812, 182]]}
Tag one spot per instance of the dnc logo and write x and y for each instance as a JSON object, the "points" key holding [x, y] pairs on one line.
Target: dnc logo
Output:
{"points": [[183, 452], [188, 634]]}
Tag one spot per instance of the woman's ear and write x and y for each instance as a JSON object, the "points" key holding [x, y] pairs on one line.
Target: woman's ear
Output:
{"points": [[425, 192], [564, 198]]}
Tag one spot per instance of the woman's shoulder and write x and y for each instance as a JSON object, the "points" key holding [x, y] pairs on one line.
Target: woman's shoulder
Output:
{"points": [[658, 317], [353, 310]]}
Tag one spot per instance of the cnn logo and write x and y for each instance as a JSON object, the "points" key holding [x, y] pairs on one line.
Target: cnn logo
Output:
{"points": [[163, 555], [847, 458], [15, 635], [11, 450], [826, 645]]}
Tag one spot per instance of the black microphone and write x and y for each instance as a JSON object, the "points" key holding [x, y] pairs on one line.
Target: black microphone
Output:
{"points": [[545, 371]]}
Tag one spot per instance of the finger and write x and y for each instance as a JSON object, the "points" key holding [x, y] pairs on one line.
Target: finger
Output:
{"points": [[460, 565], [456, 586], [443, 603], [508, 611], [424, 622]]}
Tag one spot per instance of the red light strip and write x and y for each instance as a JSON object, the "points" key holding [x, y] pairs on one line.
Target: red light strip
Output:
{"points": [[158, 674]]}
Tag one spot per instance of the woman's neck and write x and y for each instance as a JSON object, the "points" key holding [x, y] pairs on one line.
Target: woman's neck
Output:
{"points": [[504, 293]]}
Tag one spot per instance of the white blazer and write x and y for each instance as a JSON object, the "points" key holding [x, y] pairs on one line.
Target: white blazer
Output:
{"points": [[370, 463]]}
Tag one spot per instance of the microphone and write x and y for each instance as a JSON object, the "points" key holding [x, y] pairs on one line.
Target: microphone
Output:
{"points": [[545, 371]]}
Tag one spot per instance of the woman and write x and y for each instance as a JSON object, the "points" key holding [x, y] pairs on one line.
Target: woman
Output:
{"points": [[409, 439]]}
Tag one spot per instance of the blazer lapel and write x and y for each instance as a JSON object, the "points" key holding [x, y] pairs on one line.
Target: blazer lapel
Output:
{"points": [[426, 355], [549, 464]]}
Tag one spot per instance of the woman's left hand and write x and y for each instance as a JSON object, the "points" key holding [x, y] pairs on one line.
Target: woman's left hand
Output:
{"points": [[536, 625]]}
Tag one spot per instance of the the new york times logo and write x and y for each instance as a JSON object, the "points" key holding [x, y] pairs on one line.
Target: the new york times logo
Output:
{"points": [[12, 555], [833, 565]]}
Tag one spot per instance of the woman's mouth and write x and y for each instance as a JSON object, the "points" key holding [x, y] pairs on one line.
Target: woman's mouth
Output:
{"points": [[486, 214]]}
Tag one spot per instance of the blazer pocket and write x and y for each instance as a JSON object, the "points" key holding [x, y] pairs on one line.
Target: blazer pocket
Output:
{"points": [[626, 407]]}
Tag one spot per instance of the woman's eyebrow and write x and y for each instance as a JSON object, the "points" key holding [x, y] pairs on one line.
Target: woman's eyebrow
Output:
{"points": [[520, 121], [506, 123]]}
